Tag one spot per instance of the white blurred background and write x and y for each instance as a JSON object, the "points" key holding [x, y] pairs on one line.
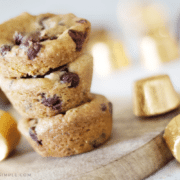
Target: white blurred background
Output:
{"points": [[99, 12]]}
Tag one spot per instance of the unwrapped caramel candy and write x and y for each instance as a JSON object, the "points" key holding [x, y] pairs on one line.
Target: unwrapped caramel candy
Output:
{"points": [[172, 136], [154, 95]]}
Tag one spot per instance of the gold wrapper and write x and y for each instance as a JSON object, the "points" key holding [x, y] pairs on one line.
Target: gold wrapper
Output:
{"points": [[153, 16], [172, 137], [117, 56], [162, 46], [158, 47], [166, 45], [154, 95]]}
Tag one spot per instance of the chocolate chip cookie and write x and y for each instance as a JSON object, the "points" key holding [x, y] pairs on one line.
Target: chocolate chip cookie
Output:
{"points": [[79, 130], [55, 92], [32, 45]]}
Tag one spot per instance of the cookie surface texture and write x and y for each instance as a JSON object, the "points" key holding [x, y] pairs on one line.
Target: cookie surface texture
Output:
{"points": [[53, 93], [32, 45], [80, 130]]}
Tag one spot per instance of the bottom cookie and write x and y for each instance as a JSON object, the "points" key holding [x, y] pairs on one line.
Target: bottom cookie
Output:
{"points": [[79, 130]]}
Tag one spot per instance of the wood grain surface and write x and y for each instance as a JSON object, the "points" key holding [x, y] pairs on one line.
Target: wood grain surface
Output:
{"points": [[136, 165], [135, 150]]}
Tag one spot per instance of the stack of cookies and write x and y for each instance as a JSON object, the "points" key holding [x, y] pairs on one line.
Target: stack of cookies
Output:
{"points": [[46, 74]]}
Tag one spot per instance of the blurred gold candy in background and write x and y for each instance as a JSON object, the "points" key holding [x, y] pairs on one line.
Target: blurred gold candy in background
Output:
{"points": [[146, 39], [108, 52], [158, 45], [149, 23]]}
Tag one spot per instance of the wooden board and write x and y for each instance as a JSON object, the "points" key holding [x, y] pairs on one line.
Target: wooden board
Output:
{"points": [[127, 155]]}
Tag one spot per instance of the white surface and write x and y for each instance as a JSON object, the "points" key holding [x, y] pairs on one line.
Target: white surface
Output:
{"points": [[120, 83], [170, 172]]}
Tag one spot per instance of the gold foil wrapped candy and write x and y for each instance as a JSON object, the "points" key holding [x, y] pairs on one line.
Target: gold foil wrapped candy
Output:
{"points": [[157, 47], [157, 43], [9, 134], [154, 95], [109, 53], [147, 25], [172, 137]]}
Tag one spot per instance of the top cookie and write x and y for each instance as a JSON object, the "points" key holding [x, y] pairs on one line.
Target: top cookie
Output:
{"points": [[32, 45]]}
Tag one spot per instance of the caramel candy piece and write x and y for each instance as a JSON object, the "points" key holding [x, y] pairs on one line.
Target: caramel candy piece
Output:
{"points": [[172, 137], [153, 96], [9, 135]]}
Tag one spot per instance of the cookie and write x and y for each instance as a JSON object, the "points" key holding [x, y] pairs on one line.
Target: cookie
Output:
{"points": [[32, 45], [55, 92], [79, 130]]}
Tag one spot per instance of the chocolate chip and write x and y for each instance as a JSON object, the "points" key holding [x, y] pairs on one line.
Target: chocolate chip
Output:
{"points": [[53, 37], [45, 38], [33, 134], [42, 95], [27, 76], [41, 22], [95, 144], [103, 135], [103, 107], [71, 78], [39, 142], [33, 50], [18, 37], [78, 37], [110, 107], [31, 38], [35, 37], [4, 49], [82, 21], [54, 102]]}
